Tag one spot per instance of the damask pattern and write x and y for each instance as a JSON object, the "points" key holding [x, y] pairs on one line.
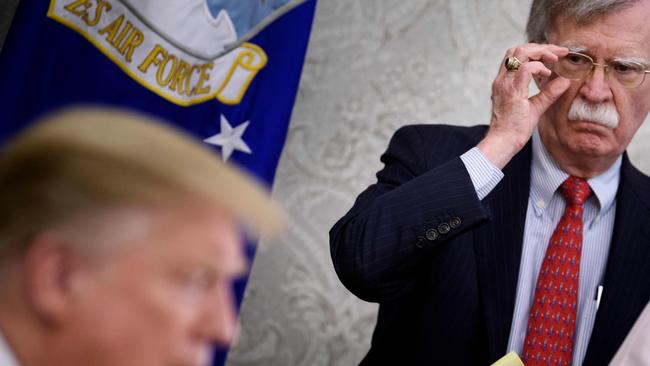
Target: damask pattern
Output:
{"points": [[372, 66]]}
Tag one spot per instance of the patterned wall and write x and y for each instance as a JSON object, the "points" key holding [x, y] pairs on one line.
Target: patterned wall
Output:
{"points": [[372, 66]]}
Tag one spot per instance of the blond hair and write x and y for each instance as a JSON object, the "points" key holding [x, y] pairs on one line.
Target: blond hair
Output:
{"points": [[86, 158]]}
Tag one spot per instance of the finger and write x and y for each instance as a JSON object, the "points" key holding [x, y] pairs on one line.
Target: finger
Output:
{"points": [[549, 94], [515, 83], [535, 48], [525, 74], [538, 52]]}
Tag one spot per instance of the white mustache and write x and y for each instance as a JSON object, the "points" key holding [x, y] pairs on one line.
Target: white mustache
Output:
{"points": [[602, 114]]}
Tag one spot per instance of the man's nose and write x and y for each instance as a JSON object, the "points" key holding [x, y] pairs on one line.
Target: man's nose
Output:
{"points": [[218, 320], [596, 87]]}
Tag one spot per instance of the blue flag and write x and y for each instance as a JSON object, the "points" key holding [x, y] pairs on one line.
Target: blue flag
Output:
{"points": [[224, 71]]}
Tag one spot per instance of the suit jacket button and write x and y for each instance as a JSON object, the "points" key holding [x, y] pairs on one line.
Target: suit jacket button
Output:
{"points": [[454, 222], [421, 242], [443, 228], [431, 234]]}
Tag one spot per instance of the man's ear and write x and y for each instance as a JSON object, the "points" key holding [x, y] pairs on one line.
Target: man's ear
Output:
{"points": [[49, 266]]}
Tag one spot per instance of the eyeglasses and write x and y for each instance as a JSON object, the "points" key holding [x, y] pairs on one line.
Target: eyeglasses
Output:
{"points": [[577, 66]]}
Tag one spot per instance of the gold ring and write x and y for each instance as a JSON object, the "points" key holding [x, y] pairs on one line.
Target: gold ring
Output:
{"points": [[512, 63]]}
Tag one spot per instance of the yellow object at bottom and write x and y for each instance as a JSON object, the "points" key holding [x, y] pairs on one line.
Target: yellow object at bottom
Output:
{"points": [[511, 359]]}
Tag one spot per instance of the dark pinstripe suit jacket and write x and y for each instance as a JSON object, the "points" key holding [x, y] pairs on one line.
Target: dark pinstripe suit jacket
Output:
{"points": [[450, 300]]}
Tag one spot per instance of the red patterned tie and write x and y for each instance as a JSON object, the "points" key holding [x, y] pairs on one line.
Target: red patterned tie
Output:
{"points": [[552, 320]]}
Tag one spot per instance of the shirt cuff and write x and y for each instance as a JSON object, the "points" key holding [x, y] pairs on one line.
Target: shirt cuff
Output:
{"points": [[484, 175]]}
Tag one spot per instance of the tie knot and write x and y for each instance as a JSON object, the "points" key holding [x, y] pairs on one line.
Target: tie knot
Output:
{"points": [[575, 190]]}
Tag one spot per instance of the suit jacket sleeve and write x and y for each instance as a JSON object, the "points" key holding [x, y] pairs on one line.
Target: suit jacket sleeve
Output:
{"points": [[383, 242]]}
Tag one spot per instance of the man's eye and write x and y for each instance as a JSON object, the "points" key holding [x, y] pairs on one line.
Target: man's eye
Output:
{"points": [[198, 280], [203, 281], [577, 59], [627, 68]]}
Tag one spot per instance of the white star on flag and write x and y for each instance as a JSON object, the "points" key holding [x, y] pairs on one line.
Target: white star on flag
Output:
{"points": [[229, 138]]}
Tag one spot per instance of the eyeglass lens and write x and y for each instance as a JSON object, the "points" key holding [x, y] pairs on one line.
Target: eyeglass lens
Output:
{"points": [[577, 66]]}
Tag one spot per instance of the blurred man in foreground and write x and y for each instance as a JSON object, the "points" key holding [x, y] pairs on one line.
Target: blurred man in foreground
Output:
{"points": [[118, 241], [528, 235]]}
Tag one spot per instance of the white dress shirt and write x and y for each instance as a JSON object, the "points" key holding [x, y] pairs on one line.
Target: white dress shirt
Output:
{"points": [[545, 208], [6, 356]]}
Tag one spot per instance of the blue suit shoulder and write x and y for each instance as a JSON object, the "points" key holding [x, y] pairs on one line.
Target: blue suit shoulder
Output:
{"points": [[434, 144], [635, 180], [466, 135]]}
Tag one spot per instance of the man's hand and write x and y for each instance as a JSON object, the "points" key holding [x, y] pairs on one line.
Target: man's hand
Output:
{"points": [[514, 114]]}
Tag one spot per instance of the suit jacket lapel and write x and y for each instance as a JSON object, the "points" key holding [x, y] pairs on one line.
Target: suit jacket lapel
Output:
{"points": [[498, 249], [626, 286]]}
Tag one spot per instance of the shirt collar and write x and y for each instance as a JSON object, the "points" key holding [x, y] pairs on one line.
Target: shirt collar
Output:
{"points": [[546, 176], [6, 356]]}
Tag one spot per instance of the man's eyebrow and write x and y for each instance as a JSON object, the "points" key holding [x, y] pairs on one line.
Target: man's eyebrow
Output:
{"points": [[638, 60], [230, 269], [575, 47]]}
